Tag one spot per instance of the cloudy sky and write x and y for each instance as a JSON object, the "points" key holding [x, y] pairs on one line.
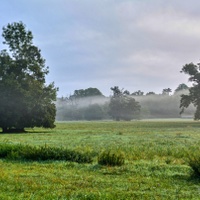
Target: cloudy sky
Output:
{"points": [[133, 44]]}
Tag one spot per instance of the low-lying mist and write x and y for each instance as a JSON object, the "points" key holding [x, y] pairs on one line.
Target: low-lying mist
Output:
{"points": [[87, 108], [97, 107], [163, 106]]}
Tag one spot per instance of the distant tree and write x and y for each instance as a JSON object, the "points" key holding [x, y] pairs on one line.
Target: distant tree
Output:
{"points": [[26, 101], [150, 93], [194, 92], [126, 92], [181, 87], [89, 92], [166, 91], [138, 93], [122, 106], [116, 91]]}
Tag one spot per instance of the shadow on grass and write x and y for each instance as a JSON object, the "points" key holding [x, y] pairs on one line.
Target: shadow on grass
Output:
{"points": [[26, 131]]}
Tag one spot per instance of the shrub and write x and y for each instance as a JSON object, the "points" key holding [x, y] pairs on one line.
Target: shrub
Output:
{"points": [[111, 158]]}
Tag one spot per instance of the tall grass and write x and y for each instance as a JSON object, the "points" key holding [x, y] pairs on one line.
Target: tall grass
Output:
{"points": [[42, 153], [111, 158]]}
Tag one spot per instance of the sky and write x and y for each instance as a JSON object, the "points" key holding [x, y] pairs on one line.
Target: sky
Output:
{"points": [[133, 44]]}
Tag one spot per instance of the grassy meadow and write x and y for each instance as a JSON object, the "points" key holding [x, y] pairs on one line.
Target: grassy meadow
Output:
{"points": [[156, 162]]}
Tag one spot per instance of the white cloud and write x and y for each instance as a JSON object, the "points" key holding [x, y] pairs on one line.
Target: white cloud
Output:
{"points": [[171, 22]]}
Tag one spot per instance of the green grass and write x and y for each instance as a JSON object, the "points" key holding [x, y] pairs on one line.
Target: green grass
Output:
{"points": [[156, 164]]}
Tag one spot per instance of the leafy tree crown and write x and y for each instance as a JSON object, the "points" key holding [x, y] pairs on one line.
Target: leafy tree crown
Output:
{"points": [[26, 101]]}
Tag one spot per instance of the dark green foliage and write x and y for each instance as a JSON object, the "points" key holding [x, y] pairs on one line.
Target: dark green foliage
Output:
{"points": [[123, 106], [42, 153], [111, 158], [194, 92], [26, 101]]}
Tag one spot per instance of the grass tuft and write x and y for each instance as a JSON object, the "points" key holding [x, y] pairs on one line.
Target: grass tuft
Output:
{"points": [[111, 158]]}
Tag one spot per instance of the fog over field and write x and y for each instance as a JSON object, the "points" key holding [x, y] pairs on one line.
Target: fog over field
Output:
{"points": [[152, 106]]}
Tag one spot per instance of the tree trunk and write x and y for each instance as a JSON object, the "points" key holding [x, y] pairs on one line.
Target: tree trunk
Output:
{"points": [[4, 129]]}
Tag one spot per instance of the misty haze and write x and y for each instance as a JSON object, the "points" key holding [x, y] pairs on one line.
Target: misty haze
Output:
{"points": [[97, 107]]}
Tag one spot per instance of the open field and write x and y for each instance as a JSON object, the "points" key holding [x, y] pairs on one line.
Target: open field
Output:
{"points": [[155, 166]]}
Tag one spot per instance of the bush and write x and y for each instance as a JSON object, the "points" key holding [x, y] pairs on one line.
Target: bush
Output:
{"points": [[111, 158], [42, 153]]}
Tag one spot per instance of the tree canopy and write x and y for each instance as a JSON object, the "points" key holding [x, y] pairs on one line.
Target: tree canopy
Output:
{"points": [[89, 92], [150, 93], [122, 106], [138, 93], [194, 92], [26, 100]]}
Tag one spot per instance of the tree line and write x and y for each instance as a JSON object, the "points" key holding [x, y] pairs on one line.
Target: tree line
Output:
{"points": [[122, 105]]}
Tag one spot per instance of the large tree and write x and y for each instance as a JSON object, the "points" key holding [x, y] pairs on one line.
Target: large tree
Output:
{"points": [[194, 92], [26, 100], [122, 106]]}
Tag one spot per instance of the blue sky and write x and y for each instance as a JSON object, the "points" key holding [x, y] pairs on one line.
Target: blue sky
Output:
{"points": [[133, 44]]}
